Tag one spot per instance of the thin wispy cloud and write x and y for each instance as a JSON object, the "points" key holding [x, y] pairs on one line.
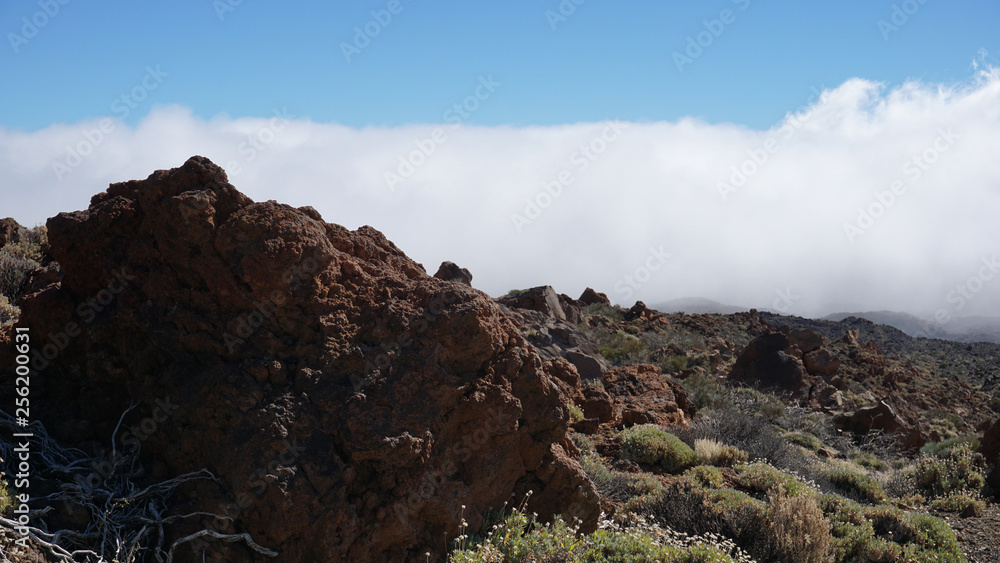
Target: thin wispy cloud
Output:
{"points": [[864, 198]]}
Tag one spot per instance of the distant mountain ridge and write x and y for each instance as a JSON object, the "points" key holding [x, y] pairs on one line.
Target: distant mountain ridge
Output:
{"points": [[961, 329]]}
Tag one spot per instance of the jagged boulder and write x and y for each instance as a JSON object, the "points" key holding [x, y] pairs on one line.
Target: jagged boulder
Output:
{"points": [[349, 403], [589, 297], [882, 417], [643, 395], [450, 271], [10, 231], [807, 340], [820, 362], [543, 299], [590, 367], [765, 362]]}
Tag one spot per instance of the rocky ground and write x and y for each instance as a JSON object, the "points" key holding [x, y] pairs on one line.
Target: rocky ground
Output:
{"points": [[979, 536]]}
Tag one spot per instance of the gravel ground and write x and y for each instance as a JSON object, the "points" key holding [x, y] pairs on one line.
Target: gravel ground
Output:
{"points": [[979, 537]]}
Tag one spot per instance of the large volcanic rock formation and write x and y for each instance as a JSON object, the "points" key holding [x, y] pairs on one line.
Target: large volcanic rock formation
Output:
{"points": [[349, 403]]}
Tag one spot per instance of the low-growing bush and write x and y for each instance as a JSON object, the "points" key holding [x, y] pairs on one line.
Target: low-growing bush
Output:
{"points": [[32, 244], [616, 485], [751, 434], [705, 476], [8, 312], [748, 399], [691, 509], [886, 534], [621, 347], [583, 442], [713, 452], [14, 274], [6, 500], [575, 413], [801, 531], [762, 478], [807, 441], [943, 447], [871, 461], [517, 538], [966, 504], [960, 469], [650, 444], [705, 391], [858, 485], [600, 309]]}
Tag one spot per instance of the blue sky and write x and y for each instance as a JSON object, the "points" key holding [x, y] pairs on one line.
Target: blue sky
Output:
{"points": [[604, 61], [838, 152]]}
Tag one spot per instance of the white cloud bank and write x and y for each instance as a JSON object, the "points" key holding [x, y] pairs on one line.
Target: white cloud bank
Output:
{"points": [[868, 198]]}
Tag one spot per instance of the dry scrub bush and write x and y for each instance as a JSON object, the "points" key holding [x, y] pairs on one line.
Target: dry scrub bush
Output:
{"points": [[801, 531]]}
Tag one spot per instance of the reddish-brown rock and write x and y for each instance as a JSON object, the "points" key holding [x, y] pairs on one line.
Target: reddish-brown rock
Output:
{"points": [[643, 394], [349, 403], [589, 297], [820, 362]]}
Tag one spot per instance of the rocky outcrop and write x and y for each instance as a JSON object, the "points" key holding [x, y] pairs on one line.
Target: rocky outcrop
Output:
{"points": [[10, 231], [449, 271], [768, 362], [589, 297], [545, 300], [625, 396], [883, 418], [821, 362], [643, 395], [348, 403]]}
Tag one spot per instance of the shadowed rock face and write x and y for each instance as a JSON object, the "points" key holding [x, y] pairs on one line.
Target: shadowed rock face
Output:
{"points": [[349, 403], [766, 362]]}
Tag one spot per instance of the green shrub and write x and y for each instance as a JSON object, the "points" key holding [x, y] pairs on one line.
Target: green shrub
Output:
{"points": [[760, 477], [859, 485], [694, 510], [960, 470], [919, 535], [807, 441], [32, 245], [616, 485], [6, 500], [964, 503], [705, 476], [602, 310], [620, 347], [751, 434], [675, 364], [516, 538], [748, 399], [8, 313], [650, 444], [886, 534], [870, 461], [575, 413], [730, 457], [943, 447], [14, 275], [705, 391]]}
